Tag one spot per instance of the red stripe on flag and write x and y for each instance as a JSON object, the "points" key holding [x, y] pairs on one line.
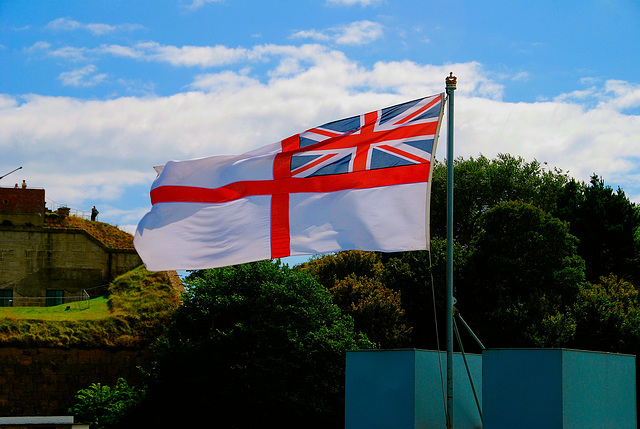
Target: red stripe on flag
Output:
{"points": [[401, 153], [333, 183], [322, 132], [280, 201], [280, 241], [420, 111], [312, 164]]}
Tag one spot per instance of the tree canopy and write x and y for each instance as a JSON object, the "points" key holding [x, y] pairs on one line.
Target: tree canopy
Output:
{"points": [[526, 271], [607, 224], [355, 280], [481, 183], [263, 342]]}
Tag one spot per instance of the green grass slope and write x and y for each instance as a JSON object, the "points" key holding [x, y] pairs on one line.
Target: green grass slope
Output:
{"points": [[134, 313]]}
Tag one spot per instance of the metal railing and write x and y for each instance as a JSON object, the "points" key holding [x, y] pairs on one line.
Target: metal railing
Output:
{"points": [[82, 297], [53, 206]]}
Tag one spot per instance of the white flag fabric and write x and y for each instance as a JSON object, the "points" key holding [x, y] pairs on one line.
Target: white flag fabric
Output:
{"points": [[357, 183]]}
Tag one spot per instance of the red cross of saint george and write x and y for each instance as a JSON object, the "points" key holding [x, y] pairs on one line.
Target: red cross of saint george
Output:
{"points": [[371, 134]]}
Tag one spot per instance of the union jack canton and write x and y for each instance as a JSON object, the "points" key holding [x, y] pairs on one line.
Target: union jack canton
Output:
{"points": [[395, 136]]}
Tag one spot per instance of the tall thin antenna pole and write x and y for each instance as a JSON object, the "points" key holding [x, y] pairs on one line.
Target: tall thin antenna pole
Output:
{"points": [[451, 82]]}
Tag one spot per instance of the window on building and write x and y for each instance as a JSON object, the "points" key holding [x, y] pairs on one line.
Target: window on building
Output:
{"points": [[6, 298], [55, 297]]}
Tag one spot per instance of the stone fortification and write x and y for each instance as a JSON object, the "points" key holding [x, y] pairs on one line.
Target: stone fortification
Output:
{"points": [[37, 259]]}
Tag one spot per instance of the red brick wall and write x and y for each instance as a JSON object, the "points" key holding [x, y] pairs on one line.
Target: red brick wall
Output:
{"points": [[44, 381], [21, 200]]}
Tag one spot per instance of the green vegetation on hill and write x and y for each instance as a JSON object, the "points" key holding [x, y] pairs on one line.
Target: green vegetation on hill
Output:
{"points": [[133, 315], [96, 308], [109, 235]]}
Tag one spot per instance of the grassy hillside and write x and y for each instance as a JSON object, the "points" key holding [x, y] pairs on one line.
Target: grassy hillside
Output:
{"points": [[96, 308], [109, 235], [138, 306]]}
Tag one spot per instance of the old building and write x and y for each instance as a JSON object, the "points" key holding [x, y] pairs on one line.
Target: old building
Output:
{"points": [[46, 262]]}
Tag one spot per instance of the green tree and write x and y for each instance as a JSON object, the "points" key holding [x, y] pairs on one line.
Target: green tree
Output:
{"points": [[607, 224], [105, 407], [376, 310], [253, 345], [480, 184], [421, 278], [524, 276], [607, 317], [336, 266], [355, 280]]}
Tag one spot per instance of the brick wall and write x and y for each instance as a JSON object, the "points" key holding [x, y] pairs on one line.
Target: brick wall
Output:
{"points": [[21, 200], [44, 381], [21, 206]]}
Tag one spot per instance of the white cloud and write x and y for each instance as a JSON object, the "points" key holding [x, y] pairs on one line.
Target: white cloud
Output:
{"points": [[616, 95], [227, 81], [98, 29], [121, 51], [7, 102], [316, 35], [67, 52], [187, 56], [80, 149], [197, 4], [621, 95], [38, 46], [356, 33], [359, 33], [83, 77], [205, 56], [568, 136]]}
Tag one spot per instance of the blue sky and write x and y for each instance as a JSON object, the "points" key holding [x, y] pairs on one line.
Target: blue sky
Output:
{"points": [[95, 93]]}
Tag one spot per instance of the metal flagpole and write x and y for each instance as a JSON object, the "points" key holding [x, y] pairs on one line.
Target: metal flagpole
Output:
{"points": [[450, 81]]}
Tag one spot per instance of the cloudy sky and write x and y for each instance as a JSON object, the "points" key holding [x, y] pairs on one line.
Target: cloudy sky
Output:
{"points": [[93, 94]]}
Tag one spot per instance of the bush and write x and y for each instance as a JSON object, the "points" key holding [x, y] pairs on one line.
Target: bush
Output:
{"points": [[103, 407]]}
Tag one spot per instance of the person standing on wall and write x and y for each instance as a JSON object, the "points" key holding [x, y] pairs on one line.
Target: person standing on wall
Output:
{"points": [[94, 213]]}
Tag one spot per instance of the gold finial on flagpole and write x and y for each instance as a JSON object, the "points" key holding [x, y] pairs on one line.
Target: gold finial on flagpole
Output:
{"points": [[451, 81]]}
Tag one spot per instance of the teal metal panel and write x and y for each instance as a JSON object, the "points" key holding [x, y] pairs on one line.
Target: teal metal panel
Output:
{"points": [[521, 389], [558, 388], [599, 390], [379, 389], [403, 389]]}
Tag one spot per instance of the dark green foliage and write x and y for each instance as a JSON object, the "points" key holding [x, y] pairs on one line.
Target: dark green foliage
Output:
{"points": [[524, 273], [331, 268], [376, 310], [480, 184], [607, 317], [607, 224], [355, 280], [252, 345], [104, 407], [412, 274]]}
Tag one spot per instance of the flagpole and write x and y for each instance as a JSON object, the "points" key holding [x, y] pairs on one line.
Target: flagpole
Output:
{"points": [[450, 81]]}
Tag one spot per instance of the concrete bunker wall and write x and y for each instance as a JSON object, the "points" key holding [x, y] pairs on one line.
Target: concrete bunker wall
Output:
{"points": [[36, 259]]}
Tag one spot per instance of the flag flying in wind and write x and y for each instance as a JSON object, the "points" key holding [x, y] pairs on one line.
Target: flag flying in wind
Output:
{"points": [[357, 183]]}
